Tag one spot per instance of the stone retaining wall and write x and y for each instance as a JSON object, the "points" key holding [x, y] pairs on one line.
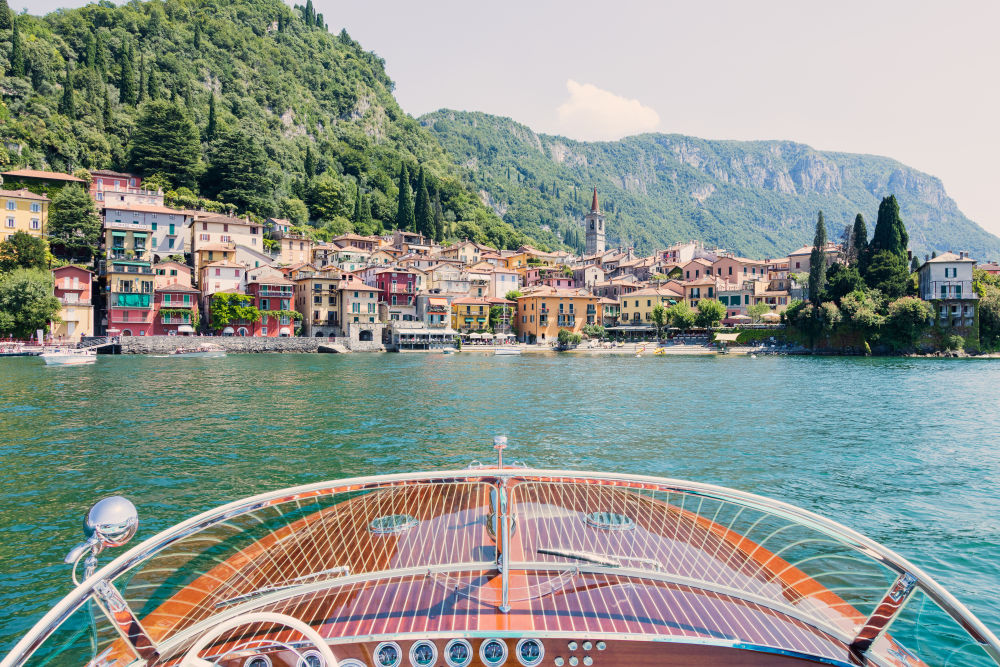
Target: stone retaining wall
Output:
{"points": [[235, 344]]}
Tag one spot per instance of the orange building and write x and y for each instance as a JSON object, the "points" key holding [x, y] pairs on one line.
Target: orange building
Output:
{"points": [[543, 311]]}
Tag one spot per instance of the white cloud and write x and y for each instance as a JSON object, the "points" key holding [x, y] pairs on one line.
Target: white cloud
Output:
{"points": [[594, 114]]}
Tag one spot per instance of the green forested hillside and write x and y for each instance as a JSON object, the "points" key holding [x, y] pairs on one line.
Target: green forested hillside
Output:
{"points": [[264, 107], [757, 198]]}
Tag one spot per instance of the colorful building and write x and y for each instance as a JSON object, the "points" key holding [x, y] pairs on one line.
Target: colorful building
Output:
{"points": [[113, 188], [175, 310], [73, 287], [470, 314], [636, 309], [169, 229], [272, 294], [212, 231], [23, 211], [543, 311], [317, 299]]}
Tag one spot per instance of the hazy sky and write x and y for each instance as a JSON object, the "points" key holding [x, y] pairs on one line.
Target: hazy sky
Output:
{"points": [[913, 80]]}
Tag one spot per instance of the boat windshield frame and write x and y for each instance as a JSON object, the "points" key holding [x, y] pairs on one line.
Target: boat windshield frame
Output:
{"points": [[505, 476]]}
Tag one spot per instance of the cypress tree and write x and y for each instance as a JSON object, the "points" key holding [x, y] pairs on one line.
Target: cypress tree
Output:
{"points": [[197, 34], [817, 262], [16, 51], [67, 105], [319, 20], [126, 85], [438, 217], [356, 218], [404, 205], [859, 239], [6, 17], [153, 84], [914, 264], [142, 76], [422, 213], [100, 62], [890, 232], [366, 213], [309, 164], [107, 106], [310, 16], [90, 51], [211, 126]]}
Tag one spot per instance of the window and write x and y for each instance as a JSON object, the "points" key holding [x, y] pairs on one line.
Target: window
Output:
{"points": [[11, 205], [36, 223], [10, 222], [170, 243], [263, 331], [171, 232], [225, 227], [265, 304], [154, 226], [218, 272], [226, 238], [204, 228], [36, 208], [203, 237]]}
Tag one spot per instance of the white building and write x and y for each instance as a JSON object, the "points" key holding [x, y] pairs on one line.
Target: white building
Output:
{"points": [[946, 280], [169, 228]]}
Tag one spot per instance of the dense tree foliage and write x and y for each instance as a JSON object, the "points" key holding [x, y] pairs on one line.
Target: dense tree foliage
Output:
{"points": [[317, 105], [238, 172], [23, 251], [890, 232], [165, 142], [26, 302], [74, 226]]}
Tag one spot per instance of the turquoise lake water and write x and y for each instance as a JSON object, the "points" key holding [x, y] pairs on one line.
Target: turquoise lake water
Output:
{"points": [[902, 450]]}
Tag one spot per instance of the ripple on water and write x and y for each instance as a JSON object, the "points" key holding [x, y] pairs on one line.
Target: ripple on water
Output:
{"points": [[902, 450]]}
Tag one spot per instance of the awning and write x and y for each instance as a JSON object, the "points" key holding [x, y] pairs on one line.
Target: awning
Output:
{"points": [[284, 331], [437, 301], [228, 331], [185, 328], [139, 235], [726, 337], [770, 316], [121, 234]]}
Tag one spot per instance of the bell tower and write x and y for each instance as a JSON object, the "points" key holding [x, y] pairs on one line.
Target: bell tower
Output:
{"points": [[593, 222]]}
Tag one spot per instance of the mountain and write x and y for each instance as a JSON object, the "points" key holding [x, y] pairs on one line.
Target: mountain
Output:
{"points": [[758, 198], [74, 86]]}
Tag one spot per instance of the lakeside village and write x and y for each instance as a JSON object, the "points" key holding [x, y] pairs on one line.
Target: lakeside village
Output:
{"points": [[165, 272]]}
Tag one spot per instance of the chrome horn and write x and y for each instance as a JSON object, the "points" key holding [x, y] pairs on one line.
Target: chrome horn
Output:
{"points": [[111, 522]]}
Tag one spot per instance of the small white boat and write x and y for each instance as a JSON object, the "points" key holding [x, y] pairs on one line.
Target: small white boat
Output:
{"points": [[204, 351], [505, 350], [448, 350], [68, 357]]}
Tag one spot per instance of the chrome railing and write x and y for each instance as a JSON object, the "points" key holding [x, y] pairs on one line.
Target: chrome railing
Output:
{"points": [[763, 521]]}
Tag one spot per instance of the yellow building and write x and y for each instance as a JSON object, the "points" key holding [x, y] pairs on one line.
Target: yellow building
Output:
{"points": [[637, 307], [470, 314], [316, 297], [23, 211], [543, 311]]}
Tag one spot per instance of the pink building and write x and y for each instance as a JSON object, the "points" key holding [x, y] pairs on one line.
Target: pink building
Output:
{"points": [[175, 310], [549, 276], [397, 287], [272, 295], [73, 288]]}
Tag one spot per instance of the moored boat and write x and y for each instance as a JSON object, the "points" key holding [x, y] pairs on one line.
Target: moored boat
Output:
{"points": [[500, 565], [68, 356], [204, 351]]}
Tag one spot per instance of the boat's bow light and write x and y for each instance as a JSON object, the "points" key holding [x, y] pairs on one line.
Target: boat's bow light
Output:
{"points": [[111, 522]]}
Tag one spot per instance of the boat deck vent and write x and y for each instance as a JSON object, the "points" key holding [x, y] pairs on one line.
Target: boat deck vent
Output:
{"points": [[392, 524], [609, 521]]}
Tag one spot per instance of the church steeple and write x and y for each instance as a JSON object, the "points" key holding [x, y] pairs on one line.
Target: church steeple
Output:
{"points": [[593, 224]]}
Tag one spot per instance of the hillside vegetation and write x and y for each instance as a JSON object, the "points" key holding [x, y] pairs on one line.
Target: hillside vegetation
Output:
{"points": [[758, 198], [247, 103]]}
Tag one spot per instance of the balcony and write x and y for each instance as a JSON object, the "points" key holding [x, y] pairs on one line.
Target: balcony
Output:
{"points": [[947, 289], [401, 289], [121, 253], [114, 224], [175, 320], [129, 268], [275, 291], [130, 300], [74, 300]]}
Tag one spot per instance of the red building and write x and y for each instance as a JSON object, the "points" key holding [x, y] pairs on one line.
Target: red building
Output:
{"points": [[272, 295], [175, 310], [397, 287]]}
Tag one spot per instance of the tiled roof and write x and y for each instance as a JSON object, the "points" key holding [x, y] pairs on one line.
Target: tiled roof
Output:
{"points": [[23, 194], [50, 175]]}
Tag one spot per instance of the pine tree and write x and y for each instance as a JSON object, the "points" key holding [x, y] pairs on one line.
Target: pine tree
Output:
{"points": [[16, 52], [6, 17], [319, 20], [438, 217], [422, 213], [126, 85], [212, 126], [309, 164], [310, 13], [817, 263], [890, 232], [859, 239], [404, 205], [142, 76], [67, 104], [100, 62], [197, 34]]}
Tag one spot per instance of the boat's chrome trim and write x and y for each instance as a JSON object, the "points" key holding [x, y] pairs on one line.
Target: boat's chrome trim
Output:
{"points": [[512, 476]]}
